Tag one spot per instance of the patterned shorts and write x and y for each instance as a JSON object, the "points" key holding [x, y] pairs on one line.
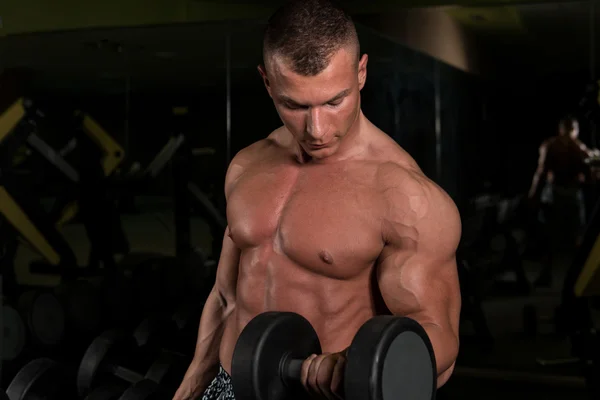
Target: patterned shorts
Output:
{"points": [[220, 388]]}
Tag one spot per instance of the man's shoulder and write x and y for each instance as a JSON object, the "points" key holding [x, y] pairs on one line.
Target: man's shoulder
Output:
{"points": [[408, 191], [249, 156], [255, 151]]}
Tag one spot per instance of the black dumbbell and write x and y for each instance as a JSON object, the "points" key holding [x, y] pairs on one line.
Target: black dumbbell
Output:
{"points": [[44, 317], [141, 390], [14, 335], [35, 321], [389, 358], [114, 357], [42, 378], [176, 332]]}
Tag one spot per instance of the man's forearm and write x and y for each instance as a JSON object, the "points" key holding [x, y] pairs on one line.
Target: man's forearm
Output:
{"points": [[205, 364], [534, 184], [445, 347]]}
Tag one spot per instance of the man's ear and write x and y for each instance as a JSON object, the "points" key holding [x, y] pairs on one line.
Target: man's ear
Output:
{"points": [[263, 73], [362, 71]]}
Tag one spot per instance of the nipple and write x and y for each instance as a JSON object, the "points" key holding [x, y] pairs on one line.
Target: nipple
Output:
{"points": [[326, 257]]}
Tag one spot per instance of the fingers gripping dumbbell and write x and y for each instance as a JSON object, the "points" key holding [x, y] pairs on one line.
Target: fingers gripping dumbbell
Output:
{"points": [[389, 358]]}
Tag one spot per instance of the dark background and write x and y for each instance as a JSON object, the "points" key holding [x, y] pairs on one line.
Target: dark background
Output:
{"points": [[474, 127]]}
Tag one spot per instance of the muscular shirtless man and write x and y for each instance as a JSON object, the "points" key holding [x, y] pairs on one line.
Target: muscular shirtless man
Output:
{"points": [[327, 217], [562, 169]]}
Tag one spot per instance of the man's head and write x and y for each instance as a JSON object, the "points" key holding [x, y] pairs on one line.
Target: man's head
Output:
{"points": [[313, 71], [569, 126]]}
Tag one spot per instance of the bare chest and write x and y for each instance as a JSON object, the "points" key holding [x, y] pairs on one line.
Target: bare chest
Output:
{"points": [[322, 218]]}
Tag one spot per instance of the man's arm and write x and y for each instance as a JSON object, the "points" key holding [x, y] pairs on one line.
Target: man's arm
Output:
{"points": [[417, 273], [541, 167], [219, 304]]}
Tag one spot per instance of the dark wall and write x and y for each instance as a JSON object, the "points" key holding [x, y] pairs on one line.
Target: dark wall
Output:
{"points": [[490, 128]]}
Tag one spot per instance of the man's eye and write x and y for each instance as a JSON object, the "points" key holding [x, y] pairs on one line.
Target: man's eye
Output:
{"points": [[335, 103], [294, 106]]}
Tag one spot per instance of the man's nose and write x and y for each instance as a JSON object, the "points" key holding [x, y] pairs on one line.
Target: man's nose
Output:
{"points": [[316, 125]]}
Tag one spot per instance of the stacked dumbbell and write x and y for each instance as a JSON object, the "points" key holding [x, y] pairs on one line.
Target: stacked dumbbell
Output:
{"points": [[32, 325], [176, 331], [147, 363], [41, 378]]}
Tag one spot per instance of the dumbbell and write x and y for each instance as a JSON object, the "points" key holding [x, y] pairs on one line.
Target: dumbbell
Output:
{"points": [[141, 390], [33, 323], [41, 378], [113, 358], [44, 317], [176, 332], [389, 358], [14, 335]]}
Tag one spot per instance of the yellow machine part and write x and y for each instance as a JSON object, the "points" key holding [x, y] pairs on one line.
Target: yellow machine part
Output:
{"points": [[113, 157], [10, 118], [19, 219]]}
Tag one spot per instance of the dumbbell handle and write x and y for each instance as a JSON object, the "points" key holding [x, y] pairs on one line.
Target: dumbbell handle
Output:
{"points": [[127, 374], [291, 370]]}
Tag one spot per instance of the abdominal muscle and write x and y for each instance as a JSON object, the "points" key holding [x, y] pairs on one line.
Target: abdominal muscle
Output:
{"points": [[336, 308]]}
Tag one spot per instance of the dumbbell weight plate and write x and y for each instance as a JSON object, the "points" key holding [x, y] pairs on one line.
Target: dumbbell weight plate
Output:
{"points": [[44, 316], [41, 378], [168, 370], [13, 334], [263, 344], [108, 348], [154, 331], [390, 358]]}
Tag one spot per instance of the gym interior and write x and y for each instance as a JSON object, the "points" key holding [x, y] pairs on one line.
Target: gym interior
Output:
{"points": [[118, 121]]}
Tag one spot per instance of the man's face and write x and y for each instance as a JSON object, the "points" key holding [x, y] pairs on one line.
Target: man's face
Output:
{"points": [[575, 131], [571, 129], [318, 110]]}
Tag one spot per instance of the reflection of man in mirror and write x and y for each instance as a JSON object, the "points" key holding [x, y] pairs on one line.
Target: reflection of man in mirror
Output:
{"points": [[563, 169]]}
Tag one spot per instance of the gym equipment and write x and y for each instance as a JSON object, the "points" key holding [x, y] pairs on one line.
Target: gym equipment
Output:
{"points": [[41, 378], [112, 356], [389, 358], [176, 332], [44, 316], [20, 125], [142, 390], [34, 322], [472, 308], [14, 336], [490, 246]]}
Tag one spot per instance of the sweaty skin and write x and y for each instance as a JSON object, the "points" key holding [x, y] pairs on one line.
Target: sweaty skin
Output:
{"points": [[329, 218]]}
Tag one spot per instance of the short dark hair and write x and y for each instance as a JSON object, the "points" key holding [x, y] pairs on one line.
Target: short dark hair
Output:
{"points": [[307, 33], [567, 123]]}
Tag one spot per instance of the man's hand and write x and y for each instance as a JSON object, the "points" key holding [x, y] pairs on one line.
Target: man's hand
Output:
{"points": [[322, 375], [188, 390]]}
